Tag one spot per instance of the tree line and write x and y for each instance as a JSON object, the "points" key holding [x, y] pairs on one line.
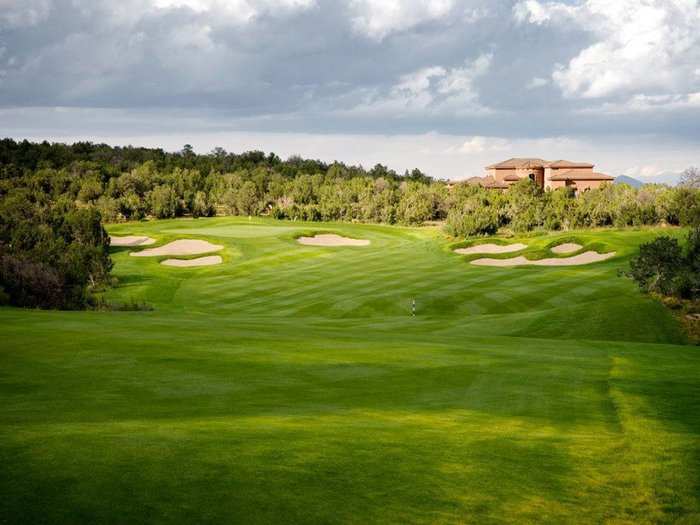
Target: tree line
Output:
{"points": [[524, 207], [126, 183], [55, 197]]}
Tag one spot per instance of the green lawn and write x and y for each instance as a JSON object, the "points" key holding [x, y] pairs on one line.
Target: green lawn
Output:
{"points": [[292, 385]]}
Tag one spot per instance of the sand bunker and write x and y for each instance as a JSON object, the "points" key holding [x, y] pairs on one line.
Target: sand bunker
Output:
{"points": [[130, 240], [491, 248], [330, 239], [583, 258], [181, 247], [567, 247], [191, 263]]}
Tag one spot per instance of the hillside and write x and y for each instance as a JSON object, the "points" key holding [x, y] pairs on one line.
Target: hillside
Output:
{"points": [[630, 181]]}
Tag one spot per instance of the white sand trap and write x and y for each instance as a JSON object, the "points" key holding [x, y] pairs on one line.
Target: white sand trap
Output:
{"points": [[191, 263], [130, 240], [567, 247], [330, 239], [491, 248], [576, 260], [181, 247]]}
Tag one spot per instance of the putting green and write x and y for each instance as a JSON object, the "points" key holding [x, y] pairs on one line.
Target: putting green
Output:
{"points": [[292, 384]]}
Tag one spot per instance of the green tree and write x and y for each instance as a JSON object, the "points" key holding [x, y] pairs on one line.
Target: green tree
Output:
{"points": [[658, 265], [164, 202], [90, 190], [201, 206], [247, 198], [526, 206]]}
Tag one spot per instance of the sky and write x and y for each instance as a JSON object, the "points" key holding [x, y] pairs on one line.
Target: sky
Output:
{"points": [[447, 86]]}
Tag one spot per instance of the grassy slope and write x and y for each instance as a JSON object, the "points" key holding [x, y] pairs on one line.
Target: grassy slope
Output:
{"points": [[292, 384]]}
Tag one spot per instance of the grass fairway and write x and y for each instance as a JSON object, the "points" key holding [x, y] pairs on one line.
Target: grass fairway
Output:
{"points": [[291, 384]]}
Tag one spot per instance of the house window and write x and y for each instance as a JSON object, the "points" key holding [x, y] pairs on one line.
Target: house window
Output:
{"points": [[532, 177]]}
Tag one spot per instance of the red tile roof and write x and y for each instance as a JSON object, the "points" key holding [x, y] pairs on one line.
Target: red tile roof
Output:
{"points": [[519, 163], [527, 162], [569, 164]]}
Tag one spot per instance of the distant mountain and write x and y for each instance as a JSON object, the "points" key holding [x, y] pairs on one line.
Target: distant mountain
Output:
{"points": [[670, 178], [624, 179]]}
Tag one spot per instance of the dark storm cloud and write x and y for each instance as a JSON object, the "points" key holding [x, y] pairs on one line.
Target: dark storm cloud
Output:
{"points": [[470, 67]]}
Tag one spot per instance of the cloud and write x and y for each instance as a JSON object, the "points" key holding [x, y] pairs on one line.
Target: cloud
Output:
{"points": [[479, 144], [240, 10], [535, 12], [658, 104], [378, 19], [483, 68], [23, 13], [643, 48], [537, 82], [431, 90]]}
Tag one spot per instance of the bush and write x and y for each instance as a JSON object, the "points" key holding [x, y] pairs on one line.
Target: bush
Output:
{"points": [[35, 284], [477, 219], [663, 267], [51, 255], [108, 208], [657, 265]]}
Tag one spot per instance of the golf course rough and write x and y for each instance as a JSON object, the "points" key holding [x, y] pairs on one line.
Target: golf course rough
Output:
{"points": [[293, 385], [212, 260]]}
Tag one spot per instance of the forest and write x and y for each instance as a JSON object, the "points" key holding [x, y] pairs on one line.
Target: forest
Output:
{"points": [[55, 197]]}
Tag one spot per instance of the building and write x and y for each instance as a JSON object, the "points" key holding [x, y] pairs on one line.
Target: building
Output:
{"points": [[547, 174]]}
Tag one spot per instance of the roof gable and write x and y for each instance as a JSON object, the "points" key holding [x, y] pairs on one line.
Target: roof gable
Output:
{"points": [[519, 163], [561, 163]]}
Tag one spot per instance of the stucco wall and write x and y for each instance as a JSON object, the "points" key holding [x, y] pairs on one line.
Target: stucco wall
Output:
{"points": [[584, 185], [553, 184], [579, 185], [521, 173], [500, 174]]}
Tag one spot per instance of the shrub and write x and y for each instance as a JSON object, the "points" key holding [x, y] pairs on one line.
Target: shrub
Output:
{"points": [[477, 219], [663, 267], [657, 265], [51, 255], [35, 284]]}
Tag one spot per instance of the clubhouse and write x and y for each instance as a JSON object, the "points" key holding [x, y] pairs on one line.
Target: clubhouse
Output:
{"points": [[547, 174]]}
